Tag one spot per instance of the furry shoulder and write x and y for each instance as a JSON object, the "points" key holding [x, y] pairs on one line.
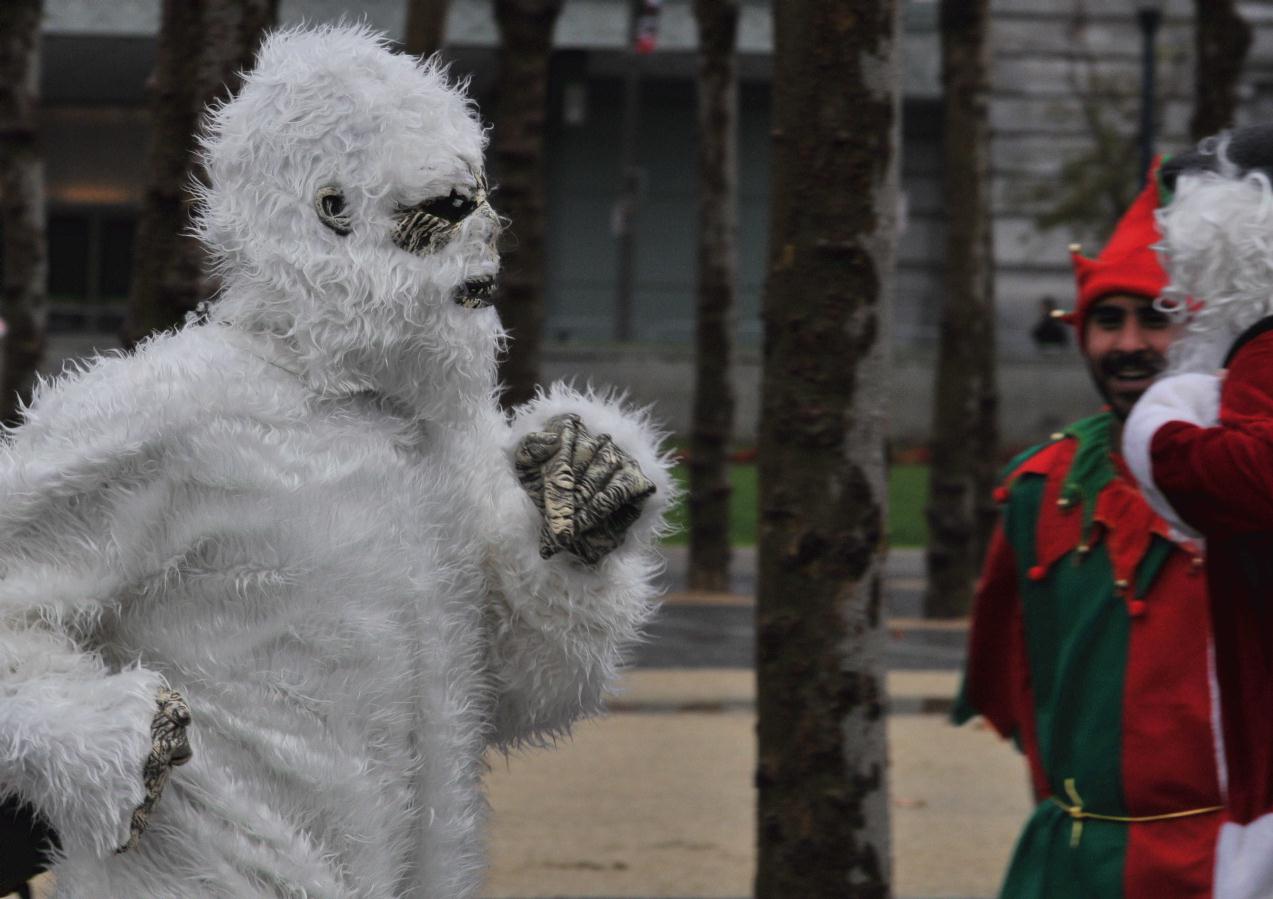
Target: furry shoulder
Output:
{"points": [[170, 382]]}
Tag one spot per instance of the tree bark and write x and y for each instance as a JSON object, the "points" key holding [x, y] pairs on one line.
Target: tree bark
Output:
{"points": [[203, 46], [717, 279], [521, 108], [964, 396], [823, 822], [426, 26], [22, 292], [1222, 38]]}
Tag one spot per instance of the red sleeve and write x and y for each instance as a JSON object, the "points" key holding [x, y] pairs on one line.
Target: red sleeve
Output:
{"points": [[997, 677], [996, 672], [1220, 479]]}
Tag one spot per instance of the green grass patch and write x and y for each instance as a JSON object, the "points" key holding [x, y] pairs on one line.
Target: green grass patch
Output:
{"points": [[907, 493]]}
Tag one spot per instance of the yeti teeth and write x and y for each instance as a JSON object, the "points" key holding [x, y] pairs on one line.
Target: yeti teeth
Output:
{"points": [[476, 293]]}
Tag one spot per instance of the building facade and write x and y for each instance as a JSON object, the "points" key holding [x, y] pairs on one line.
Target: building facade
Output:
{"points": [[1065, 76]]}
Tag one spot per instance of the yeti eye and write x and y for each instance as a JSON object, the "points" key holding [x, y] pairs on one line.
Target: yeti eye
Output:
{"points": [[452, 208]]}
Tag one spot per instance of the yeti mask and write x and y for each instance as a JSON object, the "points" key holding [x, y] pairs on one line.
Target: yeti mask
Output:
{"points": [[348, 217], [423, 228]]}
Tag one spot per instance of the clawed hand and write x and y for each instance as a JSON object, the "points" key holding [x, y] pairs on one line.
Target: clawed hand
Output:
{"points": [[169, 747], [589, 490]]}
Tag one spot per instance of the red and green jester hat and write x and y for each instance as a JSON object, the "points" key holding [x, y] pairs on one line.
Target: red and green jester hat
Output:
{"points": [[1128, 264], [1089, 646]]}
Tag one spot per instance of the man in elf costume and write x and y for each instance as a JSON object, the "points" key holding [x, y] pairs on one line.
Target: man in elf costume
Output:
{"points": [[1090, 641], [1201, 443]]}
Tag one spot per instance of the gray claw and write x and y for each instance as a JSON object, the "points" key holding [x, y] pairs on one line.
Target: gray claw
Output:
{"points": [[588, 489], [169, 747]]}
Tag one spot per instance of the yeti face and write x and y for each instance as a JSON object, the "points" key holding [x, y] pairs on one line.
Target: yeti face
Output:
{"points": [[431, 225], [348, 215], [430, 216]]}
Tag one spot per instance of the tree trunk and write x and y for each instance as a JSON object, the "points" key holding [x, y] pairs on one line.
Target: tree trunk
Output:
{"points": [[426, 26], [22, 292], [521, 108], [1222, 38], [203, 45], [964, 403], [717, 278], [823, 822]]}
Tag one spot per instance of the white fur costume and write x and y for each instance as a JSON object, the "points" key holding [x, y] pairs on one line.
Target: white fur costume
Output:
{"points": [[303, 515]]}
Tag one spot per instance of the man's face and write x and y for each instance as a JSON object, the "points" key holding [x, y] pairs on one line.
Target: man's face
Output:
{"points": [[1126, 345]]}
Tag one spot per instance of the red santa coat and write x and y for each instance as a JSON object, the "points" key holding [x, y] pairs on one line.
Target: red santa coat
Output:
{"points": [[1214, 469]]}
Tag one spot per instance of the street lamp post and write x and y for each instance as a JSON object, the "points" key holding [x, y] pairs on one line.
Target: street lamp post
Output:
{"points": [[1149, 15]]}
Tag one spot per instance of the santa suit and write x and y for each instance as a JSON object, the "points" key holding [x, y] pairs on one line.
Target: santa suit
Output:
{"points": [[1206, 445], [325, 549], [1200, 442]]}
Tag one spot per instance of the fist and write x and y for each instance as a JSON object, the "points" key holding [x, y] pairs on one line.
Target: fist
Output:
{"points": [[588, 490]]}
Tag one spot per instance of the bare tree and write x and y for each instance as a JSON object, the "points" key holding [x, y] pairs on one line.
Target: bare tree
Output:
{"points": [[521, 107], [1098, 181], [1222, 39], [426, 26], [822, 778], [965, 404], [203, 46], [717, 279], [24, 264], [24, 835]]}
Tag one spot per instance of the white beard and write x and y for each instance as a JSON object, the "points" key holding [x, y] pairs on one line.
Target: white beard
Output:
{"points": [[1217, 247]]}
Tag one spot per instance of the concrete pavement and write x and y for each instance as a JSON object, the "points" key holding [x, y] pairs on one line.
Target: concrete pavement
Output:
{"points": [[656, 799]]}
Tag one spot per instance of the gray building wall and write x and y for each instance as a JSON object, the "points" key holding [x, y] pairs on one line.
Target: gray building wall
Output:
{"points": [[1048, 56]]}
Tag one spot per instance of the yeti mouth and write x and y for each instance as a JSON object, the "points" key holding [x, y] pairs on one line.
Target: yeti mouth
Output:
{"points": [[476, 293]]}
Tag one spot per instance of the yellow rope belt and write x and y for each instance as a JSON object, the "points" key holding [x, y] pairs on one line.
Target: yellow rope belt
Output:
{"points": [[1076, 811]]}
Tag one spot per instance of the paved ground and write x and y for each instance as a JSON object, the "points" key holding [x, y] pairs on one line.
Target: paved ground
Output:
{"points": [[656, 799]]}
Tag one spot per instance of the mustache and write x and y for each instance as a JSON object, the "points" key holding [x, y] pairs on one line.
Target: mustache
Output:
{"points": [[1140, 364]]}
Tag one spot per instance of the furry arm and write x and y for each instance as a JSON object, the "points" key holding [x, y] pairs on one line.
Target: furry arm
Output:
{"points": [[1216, 469], [74, 735], [559, 626]]}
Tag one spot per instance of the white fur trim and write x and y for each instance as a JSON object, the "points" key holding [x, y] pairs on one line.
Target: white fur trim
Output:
{"points": [[1217, 725], [1244, 860], [1192, 398]]}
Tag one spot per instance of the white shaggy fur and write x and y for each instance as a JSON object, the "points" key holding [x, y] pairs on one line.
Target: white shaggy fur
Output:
{"points": [[1217, 248], [303, 516]]}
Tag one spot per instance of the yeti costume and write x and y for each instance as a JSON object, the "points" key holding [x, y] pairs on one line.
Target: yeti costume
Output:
{"points": [[309, 518]]}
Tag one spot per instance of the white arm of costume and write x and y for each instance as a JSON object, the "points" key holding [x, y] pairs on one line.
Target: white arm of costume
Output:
{"points": [[1192, 398], [559, 627], [74, 736]]}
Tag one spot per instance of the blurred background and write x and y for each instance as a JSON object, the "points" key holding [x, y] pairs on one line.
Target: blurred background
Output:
{"points": [[1065, 99], [1076, 95]]}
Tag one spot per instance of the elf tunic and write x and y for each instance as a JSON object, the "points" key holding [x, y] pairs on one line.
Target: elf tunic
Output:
{"points": [[1220, 481], [1090, 647]]}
